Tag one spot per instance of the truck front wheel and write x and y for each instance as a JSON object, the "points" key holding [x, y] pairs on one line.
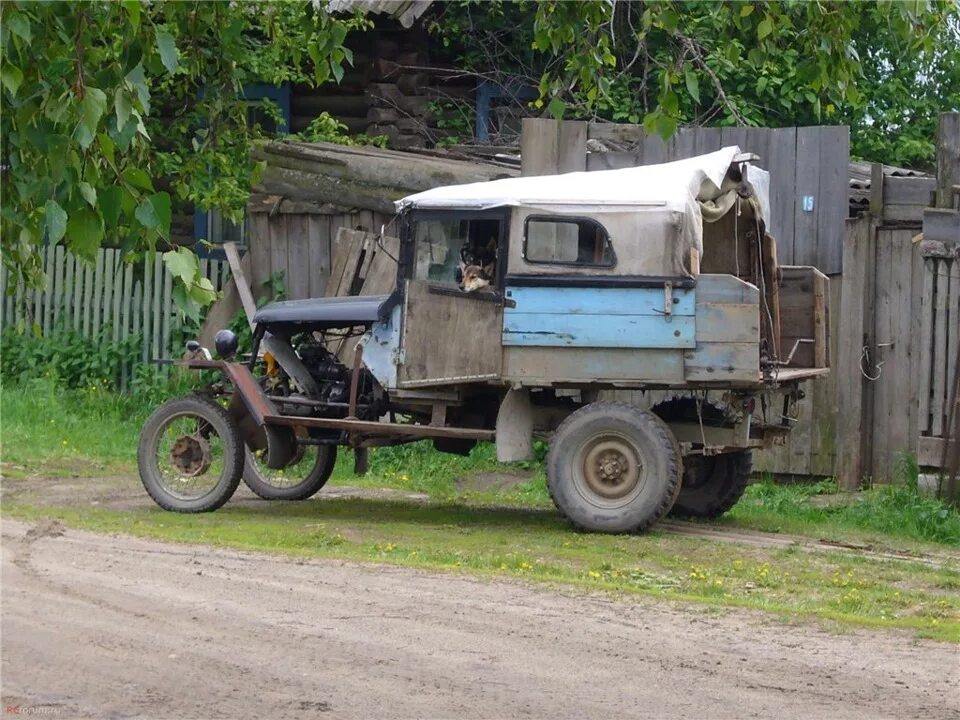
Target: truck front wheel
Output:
{"points": [[190, 455], [613, 468], [712, 484]]}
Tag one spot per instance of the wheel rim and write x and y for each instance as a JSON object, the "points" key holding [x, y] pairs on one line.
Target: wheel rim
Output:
{"points": [[190, 456], [292, 475], [609, 471]]}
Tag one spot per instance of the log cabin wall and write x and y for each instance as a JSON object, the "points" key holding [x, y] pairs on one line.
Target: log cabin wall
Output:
{"points": [[394, 89]]}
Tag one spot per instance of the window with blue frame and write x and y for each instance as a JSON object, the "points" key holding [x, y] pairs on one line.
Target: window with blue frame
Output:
{"points": [[211, 225], [498, 106]]}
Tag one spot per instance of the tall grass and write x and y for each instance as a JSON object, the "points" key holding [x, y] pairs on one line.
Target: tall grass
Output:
{"points": [[44, 424], [893, 510]]}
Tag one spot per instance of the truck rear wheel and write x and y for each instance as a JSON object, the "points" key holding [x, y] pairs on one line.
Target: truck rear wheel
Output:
{"points": [[190, 455], [613, 468], [713, 484]]}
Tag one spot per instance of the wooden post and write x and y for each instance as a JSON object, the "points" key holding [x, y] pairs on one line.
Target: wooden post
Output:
{"points": [[876, 190], [549, 147], [850, 382], [948, 158], [240, 280]]}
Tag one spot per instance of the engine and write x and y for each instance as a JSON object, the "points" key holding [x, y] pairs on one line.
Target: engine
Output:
{"points": [[332, 377]]}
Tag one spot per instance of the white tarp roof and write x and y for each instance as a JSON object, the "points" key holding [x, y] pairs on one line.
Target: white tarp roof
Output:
{"points": [[675, 186], [669, 203]]}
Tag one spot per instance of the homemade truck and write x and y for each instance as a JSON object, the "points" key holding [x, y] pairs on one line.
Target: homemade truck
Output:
{"points": [[584, 288]]}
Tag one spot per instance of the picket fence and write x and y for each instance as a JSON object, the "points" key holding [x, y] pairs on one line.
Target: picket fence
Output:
{"points": [[106, 298]]}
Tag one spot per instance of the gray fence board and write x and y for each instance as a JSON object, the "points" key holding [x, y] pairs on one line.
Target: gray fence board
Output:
{"points": [[807, 161]]}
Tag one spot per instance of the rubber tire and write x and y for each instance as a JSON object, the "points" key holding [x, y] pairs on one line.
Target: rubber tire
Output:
{"points": [[722, 483], [321, 471], [225, 428], [654, 443]]}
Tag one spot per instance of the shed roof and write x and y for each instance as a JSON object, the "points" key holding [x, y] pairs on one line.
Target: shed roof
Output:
{"points": [[860, 178], [404, 11]]}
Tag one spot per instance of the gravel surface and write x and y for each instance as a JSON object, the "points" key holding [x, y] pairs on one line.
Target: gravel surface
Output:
{"points": [[115, 627]]}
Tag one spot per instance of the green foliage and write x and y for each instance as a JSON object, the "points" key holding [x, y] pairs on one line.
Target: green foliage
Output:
{"points": [[884, 68], [115, 112], [194, 291], [455, 117], [326, 128], [75, 361]]}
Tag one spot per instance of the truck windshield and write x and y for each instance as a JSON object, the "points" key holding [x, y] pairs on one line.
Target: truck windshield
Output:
{"points": [[444, 246]]}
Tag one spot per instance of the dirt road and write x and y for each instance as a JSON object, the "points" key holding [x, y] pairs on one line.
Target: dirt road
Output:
{"points": [[99, 626]]}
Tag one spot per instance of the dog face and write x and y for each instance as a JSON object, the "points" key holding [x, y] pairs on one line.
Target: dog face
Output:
{"points": [[475, 277]]}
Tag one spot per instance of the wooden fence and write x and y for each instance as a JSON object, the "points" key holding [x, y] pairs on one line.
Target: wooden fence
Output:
{"points": [[809, 172], [295, 239], [105, 298]]}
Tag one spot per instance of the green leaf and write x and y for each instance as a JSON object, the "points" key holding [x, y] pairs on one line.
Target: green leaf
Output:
{"points": [[138, 178], [11, 77], [89, 193], [110, 205], [764, 28], [91, 110], [666, 126], [19, 24], [693, 84], [85, 232], [670, 103], [122, 108], [56, 219], [187, 305], [56, 108], [138, 79], [167, 47], [133, 10], [203, 291], [107, 146], [746, 10], [556, 108], [57, 156], [337, 70], [183, 264], [147, 215], [161, 209]]}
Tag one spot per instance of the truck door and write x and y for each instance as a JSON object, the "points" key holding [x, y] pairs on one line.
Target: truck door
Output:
{"points": [[450, 336]]}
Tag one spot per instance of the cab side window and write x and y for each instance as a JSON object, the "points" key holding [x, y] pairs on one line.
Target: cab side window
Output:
{"points": [[567, 241]]}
